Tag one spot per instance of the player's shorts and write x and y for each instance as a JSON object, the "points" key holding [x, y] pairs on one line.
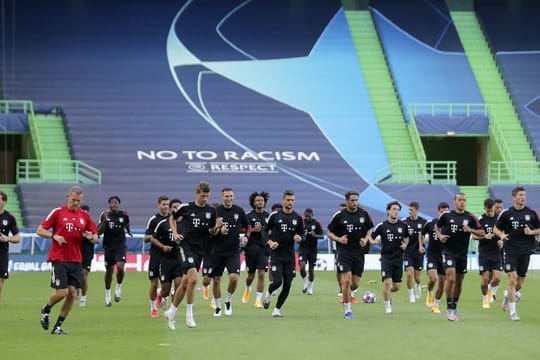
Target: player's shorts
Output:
{"points": [[256, 258], [4, 261], [451, 260], [517, 262], [391, 269], [435, 263], [283, 268], [66, 274], [154, 266], [489, 262], [220, 262], [415, 260], [190, 259], [308, 256], [87, 263], [350, 262], [171, 268], [114, 256]]}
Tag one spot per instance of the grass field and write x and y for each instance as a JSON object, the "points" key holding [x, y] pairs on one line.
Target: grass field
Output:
{"points": [[312, 327]]}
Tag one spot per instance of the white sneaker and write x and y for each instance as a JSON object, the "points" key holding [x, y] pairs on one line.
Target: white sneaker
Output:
{"points": [[107, 300], [190, 322], [310, 290], [412, 299], [228, 309], [171, 322], [514, 317], [82, 302], [388, 310], [276, 313], [418, 291]]}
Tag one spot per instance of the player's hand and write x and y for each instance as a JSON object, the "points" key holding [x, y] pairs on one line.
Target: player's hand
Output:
{"points": [[219, 222], [3, 238], [224, 230], [343, 239], [500, 244], [527, 230], [59, 239], [422, 250], [273, 244], [256, 228], [363, 242], [504, 236], [178, 238], [467, 228], [243, 241], [297, 238], [166, 249], [403, 246], [489, 236]]}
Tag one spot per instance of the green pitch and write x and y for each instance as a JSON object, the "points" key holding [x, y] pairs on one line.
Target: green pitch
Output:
{"points": [[312, 327]]}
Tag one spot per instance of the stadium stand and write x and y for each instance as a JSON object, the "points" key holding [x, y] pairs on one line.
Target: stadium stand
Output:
{"points": [[517, 54], [127, 116]]}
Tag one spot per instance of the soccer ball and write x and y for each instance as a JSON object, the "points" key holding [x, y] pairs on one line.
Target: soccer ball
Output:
{"points": [[369, 297]]}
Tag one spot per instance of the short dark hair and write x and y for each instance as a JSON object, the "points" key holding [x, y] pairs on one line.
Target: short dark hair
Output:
{"points": [[414, 204], [443, 205], [226, 189], [517, 189], [114, 197], [488, 203], [254, 194], [392, 203], [203, 186], [175, 201], [288, 193], [162, 198], [276, 207], [3, 196], [350, 193], [498, 201], [308, 211]]}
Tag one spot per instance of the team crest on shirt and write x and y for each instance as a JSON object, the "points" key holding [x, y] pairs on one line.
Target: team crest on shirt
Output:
{"points": [[294, 222], [120, 219], [419, 226], [399, 230], [313, 227], [236, 216], [4, 222], [465, 222], [362, 220], [208, 215], [81, 220], [527, 217]]}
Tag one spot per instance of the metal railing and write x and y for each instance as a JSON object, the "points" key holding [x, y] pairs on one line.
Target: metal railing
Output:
{"points": [[56, 171], [431, 172], [448, 109], [514, 172], [17, 106]]}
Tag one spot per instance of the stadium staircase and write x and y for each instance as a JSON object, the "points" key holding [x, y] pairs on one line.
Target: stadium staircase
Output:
{"points": [[50, 142], [392, 126], [13, 204], [505, 125]]}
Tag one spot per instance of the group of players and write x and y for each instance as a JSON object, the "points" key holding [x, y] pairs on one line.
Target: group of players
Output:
{"points": [[188, 237]]}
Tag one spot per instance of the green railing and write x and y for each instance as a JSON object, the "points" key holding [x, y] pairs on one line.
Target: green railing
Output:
{"points": [[17, 106], [416, 140], [56, 171], [448, 109], [431, 172], [514, 172]]}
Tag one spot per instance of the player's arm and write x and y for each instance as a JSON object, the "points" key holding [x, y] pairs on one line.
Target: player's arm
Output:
{"points": [[102, 222], [366, 239], [14, 238], [421, 248]]}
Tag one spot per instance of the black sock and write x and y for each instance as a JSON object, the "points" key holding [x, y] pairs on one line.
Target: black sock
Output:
{"points": [[47, 309], [59, 322]]}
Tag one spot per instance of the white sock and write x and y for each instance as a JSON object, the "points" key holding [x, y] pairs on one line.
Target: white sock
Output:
{"points": [[258, 295], [430, 292], [387, 304], [108, 293], [153, 305], [494, 290], [172, 310], [248, 288], [229, 297], [118, 288], [411, 293], [217, 302], [347, 307], [305, 280], [436, 302], [512, 307], [484, 298], [189, 310]]}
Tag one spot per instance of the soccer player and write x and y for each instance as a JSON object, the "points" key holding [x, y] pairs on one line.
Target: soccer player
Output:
{"points": [[171, 270], [255, 251], [414, 253], [435, 269], [517, 226], [350, 229], [114, 224], [393, 234], [156, 300], [489, 255], [87, 252], [454, 228], [69, 225], [8, 225], [308, 250], [498, 207], [197, 222], [225, 251], [284, 227]]}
